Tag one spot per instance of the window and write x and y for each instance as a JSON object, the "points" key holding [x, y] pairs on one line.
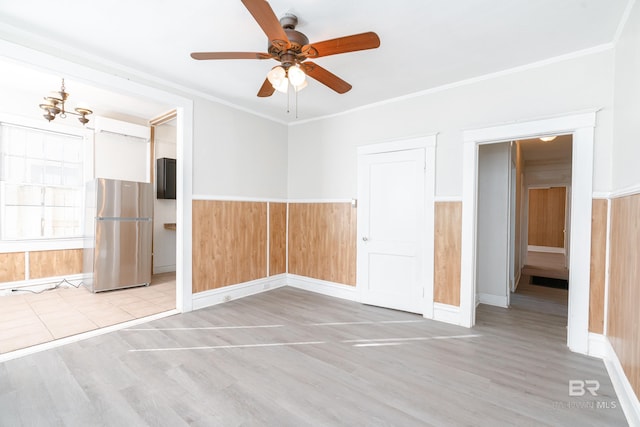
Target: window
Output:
{"points": [[41, 183]]}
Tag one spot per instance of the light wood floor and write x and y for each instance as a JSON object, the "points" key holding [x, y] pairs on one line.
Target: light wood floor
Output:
{"points": [[28, 319], [288, 357]]}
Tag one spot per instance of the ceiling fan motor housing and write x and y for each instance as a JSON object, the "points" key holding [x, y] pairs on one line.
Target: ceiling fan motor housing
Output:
{"points": [[297, 40]]}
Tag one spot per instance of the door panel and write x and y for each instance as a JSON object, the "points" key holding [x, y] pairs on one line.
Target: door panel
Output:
{"points": [[391, 229], [547, 216]]}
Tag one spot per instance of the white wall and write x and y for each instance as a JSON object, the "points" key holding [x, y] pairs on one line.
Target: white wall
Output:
{"points": [[121, 157], [238, 154], [322, 154], [164, 210], [492, 273], [626, 150]]}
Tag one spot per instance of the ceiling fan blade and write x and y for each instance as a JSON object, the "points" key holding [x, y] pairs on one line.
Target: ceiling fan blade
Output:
{"points": [[268, 21], [266, 90], [352, 43], [325, 77], [230, 55]]}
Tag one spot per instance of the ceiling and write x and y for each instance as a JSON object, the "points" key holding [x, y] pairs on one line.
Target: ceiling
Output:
{"points": [[424, 43], [558, 150]]}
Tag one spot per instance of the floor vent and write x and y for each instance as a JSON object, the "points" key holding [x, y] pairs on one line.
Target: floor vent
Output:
{"points": [[550, 282]]}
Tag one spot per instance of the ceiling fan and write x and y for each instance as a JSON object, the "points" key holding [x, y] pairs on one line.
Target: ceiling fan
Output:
{"points": [[292, 49]]}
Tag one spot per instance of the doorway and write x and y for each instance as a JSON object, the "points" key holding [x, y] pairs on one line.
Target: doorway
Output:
{"points": [[581, 127]]}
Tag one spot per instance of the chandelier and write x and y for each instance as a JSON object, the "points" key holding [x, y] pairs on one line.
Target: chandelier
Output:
{"points": [[54, 106]]}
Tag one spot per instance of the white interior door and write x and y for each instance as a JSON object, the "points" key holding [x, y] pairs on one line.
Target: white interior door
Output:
{"points": [[391, 229]]}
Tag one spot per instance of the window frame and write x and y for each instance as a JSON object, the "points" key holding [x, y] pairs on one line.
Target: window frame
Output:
{"points": [[87, 136]]}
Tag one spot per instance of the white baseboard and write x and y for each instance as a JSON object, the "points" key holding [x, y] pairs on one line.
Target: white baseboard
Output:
{"points": [[446, 313], [547, 249], [597, 345], [228, 293], [323, 287], [498, 301], [627, 397], [159, 269]]}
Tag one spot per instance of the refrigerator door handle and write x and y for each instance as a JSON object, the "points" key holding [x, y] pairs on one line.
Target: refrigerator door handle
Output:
{"points": [[107, 218]]}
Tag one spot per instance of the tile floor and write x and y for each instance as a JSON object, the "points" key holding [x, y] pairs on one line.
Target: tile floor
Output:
{"points": [[28, 319]]}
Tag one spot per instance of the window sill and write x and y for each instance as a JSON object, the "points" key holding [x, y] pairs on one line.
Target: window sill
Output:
{"points": [[41, 245]]}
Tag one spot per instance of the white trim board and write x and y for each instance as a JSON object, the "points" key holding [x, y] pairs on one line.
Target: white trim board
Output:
{"points": [[581, 125], [448, 199], [224, 198], [240, 290], [446, 313], [626, 396], [323, 287], [630, 190], [546, 249], [597, 345]]}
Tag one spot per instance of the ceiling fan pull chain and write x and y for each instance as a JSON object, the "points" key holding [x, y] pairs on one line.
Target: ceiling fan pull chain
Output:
{"points": [[288, 95]]}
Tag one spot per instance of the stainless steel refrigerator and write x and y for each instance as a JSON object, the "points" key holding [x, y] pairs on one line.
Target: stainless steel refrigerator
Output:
{"points": [[118, 230]]}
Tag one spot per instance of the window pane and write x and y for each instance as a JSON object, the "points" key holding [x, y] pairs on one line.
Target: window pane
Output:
{"points": [[26, 195], [53, 173], [23, 222], [34, 171], [53, 148], [43, 174], [73, 175], [15, 169], [13, 134], [73, 151], [34, 144]]}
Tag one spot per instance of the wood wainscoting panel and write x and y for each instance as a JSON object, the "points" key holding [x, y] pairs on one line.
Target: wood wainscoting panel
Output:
{"points": [[547, 216], [322, 241], [447, 247], [277, 238], [55, 263], [624, 289], [229, 243], [598, 265], [12, 266]]}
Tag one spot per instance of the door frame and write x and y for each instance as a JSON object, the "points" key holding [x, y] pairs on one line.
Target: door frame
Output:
{"points": [[428, 143], [581, 126]]}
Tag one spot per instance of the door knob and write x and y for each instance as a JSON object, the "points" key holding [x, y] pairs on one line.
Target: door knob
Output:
{"points": [[365, 238]]}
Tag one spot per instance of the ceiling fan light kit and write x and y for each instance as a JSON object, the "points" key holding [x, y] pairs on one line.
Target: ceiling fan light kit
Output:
{"points": [[292, 48]]}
